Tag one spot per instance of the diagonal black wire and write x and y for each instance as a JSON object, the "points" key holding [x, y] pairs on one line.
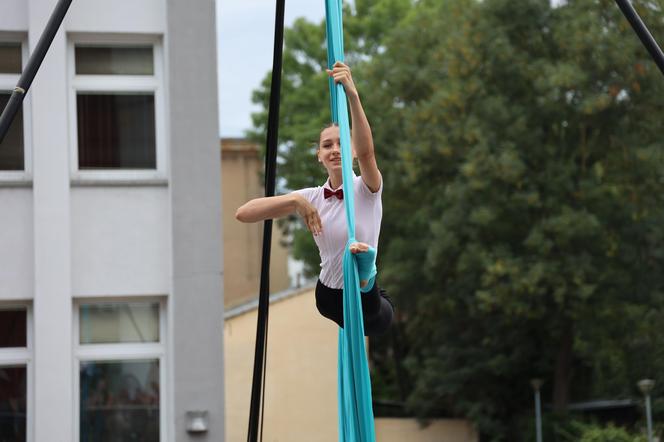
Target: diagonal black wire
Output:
{"points": [[32, 66], [257, 387], [642, 31]]}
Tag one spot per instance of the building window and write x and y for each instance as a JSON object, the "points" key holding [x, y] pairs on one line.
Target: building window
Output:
{"points": [[10, 58], [14, 373], [117, 110], [116, 131], [120, 354], [109, 60], [12, 147], [136, 322]]}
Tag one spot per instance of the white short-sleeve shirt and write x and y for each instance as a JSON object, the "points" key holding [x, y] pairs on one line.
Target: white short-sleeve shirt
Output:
{"points": [[331, 243]]}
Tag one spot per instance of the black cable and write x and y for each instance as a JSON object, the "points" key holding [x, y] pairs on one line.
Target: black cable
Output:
{"points": [[264, 380], [257, 387], [642, 31], [32, 66]]}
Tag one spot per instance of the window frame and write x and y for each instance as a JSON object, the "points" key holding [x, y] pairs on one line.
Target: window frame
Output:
{"points": [[119, 84], [7, 84], [19, 356], [121, 352]]}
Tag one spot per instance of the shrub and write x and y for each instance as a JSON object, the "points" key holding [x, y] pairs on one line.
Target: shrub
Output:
{"points": [[594, 433]]}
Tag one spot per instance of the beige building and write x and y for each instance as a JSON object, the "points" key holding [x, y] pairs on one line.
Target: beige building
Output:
{"points": [[241, 170], [301, 374], [301, 379]]}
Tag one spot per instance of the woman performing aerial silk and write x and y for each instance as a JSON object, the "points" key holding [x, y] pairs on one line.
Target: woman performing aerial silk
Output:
{"points": [[322, 210]]}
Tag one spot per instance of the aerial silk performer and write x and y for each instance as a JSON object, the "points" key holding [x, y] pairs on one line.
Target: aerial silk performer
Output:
{"points": [[344, 216], [355, 402]]}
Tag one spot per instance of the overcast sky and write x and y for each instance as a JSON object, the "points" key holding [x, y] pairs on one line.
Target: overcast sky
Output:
{"points": [[245, 38]]}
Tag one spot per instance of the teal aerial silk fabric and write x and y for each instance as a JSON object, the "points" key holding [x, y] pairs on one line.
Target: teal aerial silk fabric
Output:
{"points": [[356, 422]]}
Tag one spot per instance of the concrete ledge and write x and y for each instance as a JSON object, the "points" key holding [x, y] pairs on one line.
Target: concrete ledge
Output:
{"points": [[436, 430]]}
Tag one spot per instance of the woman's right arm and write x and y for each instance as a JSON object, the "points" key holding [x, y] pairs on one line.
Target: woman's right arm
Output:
{"points": [[271, 207]]}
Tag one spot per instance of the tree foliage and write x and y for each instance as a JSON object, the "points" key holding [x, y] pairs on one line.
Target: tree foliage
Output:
{"points": [[521, 148]]}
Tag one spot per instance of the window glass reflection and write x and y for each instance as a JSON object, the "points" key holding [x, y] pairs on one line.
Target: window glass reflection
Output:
{"points": [[97, 60], [119, 401], [116, 131], [10, 58], [11, 148], [13, 404], [13, 328], [125, 322]]}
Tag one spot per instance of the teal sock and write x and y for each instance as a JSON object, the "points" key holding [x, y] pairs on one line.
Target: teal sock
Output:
{"points": [[366, 268]]}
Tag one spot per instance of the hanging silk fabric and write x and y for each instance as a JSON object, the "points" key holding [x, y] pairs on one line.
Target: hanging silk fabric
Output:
{"points": [[356, 422]]}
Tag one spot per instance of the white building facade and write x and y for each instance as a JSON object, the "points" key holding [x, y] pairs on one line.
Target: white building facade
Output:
{"points": [[111, 309]]}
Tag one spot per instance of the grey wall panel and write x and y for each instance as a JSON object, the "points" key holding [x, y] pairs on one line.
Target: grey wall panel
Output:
{"points": [[196, 307]]}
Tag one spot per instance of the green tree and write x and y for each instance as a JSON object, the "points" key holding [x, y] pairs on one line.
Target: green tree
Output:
{"points": [[531, 132], [524, 227]]}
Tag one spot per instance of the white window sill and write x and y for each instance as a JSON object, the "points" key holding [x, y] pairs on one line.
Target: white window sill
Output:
{"points": [[15, 180], [120, 182], [96, 178]]}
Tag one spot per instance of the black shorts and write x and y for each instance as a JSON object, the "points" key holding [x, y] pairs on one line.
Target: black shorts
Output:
{"points": [[377, 308]]}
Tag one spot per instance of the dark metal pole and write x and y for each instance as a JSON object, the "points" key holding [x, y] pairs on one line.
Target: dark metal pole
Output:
{"points": [[31, 68], [649, 418], [642, 31], [646, 386], [257, 388], [537, 384]]}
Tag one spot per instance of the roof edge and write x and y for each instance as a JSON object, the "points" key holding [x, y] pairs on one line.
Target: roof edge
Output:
{"points": [[252, 305]]}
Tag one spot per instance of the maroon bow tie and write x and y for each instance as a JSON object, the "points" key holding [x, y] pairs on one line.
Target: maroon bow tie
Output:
{"points": [[339, 193]]}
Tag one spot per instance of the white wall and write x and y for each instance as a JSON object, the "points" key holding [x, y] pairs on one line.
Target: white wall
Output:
{"points": [[53, 392], [119, 16], [16, 244], [120, 241], [98, 16], [14, 16]]}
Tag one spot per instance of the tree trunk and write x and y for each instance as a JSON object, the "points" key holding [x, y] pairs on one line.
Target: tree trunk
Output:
{"points": [[563, 373]]}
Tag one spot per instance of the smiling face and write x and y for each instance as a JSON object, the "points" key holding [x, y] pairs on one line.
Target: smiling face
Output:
{"points": [[329, 150]]}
